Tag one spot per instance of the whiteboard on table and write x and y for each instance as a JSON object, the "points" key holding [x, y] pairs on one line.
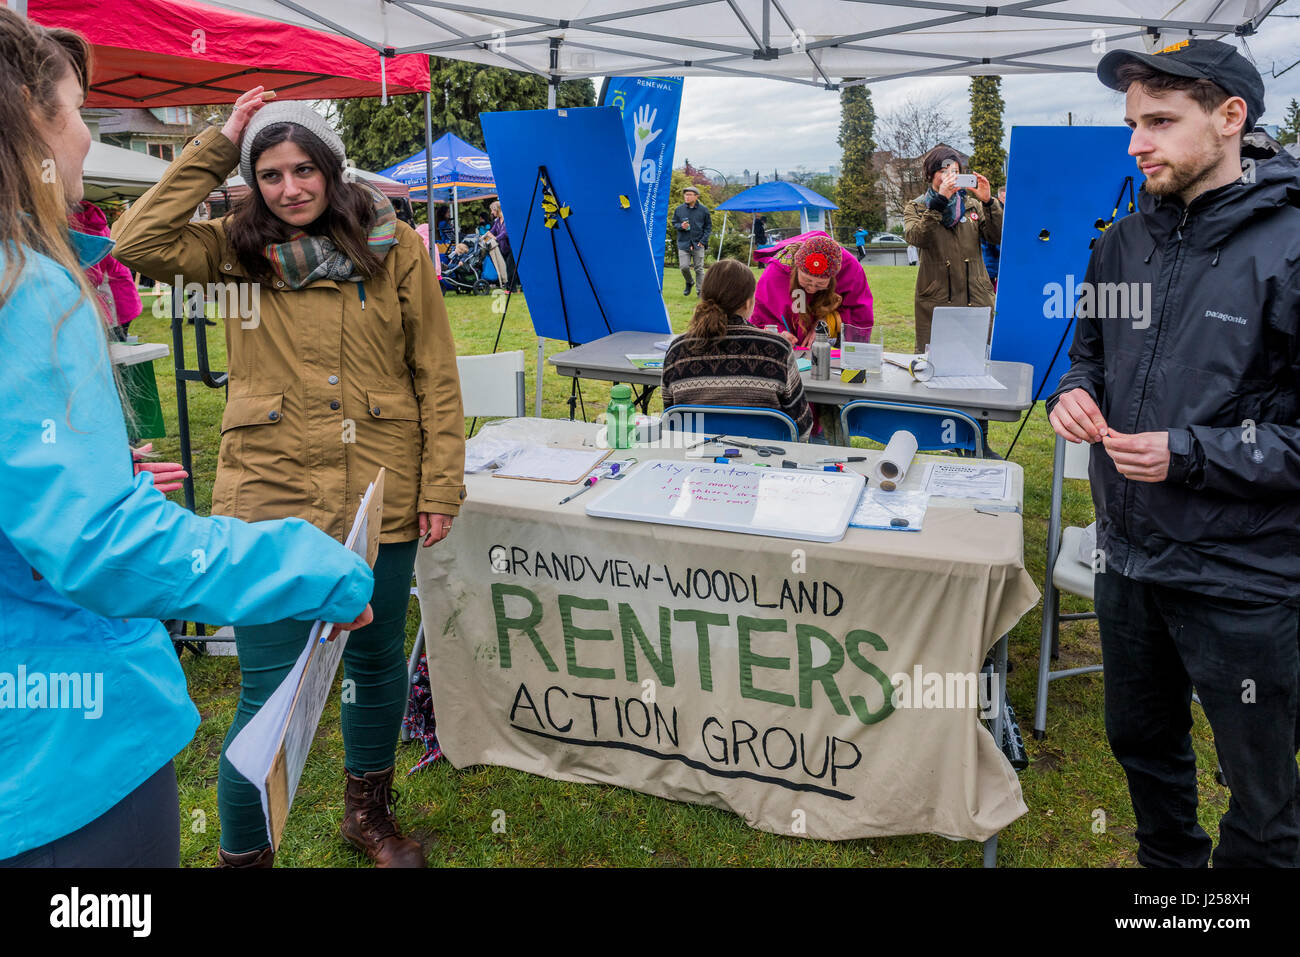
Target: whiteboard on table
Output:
{"points": [[785, 503]]}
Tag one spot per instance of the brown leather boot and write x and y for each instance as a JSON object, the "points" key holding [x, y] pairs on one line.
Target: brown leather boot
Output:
{"points": [[369, 825], [263, 858]]}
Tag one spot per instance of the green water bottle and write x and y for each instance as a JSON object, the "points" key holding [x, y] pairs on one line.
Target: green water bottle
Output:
{"points": [[620, 418]]}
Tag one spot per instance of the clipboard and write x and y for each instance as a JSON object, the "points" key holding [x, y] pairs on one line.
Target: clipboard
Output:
{"points": [[568, 466]]}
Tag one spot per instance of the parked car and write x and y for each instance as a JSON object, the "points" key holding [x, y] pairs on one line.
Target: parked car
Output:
{"points": [[892, 239]]}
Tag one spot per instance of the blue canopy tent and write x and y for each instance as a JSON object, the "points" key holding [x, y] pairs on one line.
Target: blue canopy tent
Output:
{"points": [[461, 173], [775, 197]]}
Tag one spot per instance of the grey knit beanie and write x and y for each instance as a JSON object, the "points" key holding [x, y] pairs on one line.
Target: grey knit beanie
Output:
{"points": [[288, 111]]}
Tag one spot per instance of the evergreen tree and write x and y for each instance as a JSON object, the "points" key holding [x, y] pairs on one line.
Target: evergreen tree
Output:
{"points": [[858, 194], [376, 136], [1290, 131], [986, 108]]}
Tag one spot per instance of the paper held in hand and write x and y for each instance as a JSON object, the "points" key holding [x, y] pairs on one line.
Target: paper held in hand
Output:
{"points": [[272, 748]]}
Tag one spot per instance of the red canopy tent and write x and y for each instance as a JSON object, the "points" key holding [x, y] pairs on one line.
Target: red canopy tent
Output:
{"points": [[151, 53]]}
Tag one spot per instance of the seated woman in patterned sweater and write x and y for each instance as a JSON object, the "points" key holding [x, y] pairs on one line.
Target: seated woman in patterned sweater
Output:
{"points": [[723, 360]]}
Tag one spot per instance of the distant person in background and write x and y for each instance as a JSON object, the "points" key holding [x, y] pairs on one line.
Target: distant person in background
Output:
{"points": [[722, 360], [446, 229], [946, 224], [500, 248], [692, 224], [760, 231], [484, 224], [860, 238], [112, 281], [811, 281], [993, 251]]}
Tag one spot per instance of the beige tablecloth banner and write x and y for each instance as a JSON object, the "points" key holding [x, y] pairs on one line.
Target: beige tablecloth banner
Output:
{"points": [[743, 672]]}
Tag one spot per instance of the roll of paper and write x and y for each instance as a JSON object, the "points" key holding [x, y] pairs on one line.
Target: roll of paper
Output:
{"points": [[891, 468]]}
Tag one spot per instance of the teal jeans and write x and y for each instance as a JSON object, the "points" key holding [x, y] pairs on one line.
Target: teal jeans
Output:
{"points": [[374, 661]]}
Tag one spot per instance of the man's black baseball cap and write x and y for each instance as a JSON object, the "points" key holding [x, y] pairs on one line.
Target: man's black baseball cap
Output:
{"points": [[1199, 59]]}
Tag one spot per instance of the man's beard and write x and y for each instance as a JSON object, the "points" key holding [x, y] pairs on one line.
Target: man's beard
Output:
{"points": [[1181, 176]]}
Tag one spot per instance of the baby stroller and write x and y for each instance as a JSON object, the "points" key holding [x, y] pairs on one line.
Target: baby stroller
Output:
{"points": [[463, 270]]}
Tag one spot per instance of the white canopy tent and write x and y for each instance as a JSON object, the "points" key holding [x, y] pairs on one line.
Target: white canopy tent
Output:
{"points": [[822, 43], [816, 42], [113, 173]]}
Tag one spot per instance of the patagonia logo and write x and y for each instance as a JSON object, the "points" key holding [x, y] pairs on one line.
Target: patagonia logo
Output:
{"points": [[1211, 314]]}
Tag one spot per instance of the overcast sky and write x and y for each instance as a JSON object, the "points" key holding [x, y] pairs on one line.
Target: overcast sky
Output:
{"points": [[731, 125]]}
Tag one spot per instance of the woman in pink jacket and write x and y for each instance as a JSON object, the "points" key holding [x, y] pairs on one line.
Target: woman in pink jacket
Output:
{"points": [[113, 281], [810, 280]]}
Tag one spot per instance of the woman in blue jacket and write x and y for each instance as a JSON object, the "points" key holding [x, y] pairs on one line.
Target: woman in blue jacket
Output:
{"points": [[93, 704]]}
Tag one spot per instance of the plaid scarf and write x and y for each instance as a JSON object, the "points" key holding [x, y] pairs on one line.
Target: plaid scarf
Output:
{"points": [[303, 258], [953, 213]]}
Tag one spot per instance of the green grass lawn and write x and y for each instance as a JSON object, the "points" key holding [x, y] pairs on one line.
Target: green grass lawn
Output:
{"points": [[1072, 775]]}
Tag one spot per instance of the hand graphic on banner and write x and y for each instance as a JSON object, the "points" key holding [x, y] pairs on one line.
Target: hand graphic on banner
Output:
{"points": [[643, 126]]}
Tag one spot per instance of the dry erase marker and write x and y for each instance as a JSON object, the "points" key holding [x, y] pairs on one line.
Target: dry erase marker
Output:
{"points": [[850, 458]]}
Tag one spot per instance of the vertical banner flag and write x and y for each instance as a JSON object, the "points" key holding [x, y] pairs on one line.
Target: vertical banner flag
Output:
{"points": [[649, 106]]}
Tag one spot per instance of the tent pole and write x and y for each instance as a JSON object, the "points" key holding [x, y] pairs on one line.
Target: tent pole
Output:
{"points": [[749, 261], [723, 235], [428, 169], [455, 212], [552, 85]]}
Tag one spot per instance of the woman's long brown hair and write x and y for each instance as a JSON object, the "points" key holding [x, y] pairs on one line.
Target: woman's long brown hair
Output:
{"points": [[346, 221], [33, 210], [727, 286]]}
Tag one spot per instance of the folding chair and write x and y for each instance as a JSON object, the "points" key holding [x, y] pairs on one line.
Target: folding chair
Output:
{"points": [[936, 429], [740, 421], [1065, 572], [484, 384], [482, 393], [412, 663]]}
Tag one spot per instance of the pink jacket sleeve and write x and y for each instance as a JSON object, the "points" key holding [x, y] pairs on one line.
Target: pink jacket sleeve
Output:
{"points": [[772, 297], [851, 283], [126, 298]]}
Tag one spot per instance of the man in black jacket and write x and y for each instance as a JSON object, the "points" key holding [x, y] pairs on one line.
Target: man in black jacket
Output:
{"points": [[692, 223], [1185, 377]]}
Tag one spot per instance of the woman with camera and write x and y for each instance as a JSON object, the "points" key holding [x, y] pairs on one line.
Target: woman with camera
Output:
{"points": [[945, 224]]}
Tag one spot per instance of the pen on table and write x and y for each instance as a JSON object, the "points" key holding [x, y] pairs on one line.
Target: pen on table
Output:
{"points": [[614, 470], [788, 464], [586, 485], [847, 458]]}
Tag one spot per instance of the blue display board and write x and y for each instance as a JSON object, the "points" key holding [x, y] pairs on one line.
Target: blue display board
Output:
{"points": [[1060, 181], [596, 240]]}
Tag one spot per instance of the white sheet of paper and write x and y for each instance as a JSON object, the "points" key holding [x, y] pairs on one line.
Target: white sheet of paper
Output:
{"points": [[552, 463], [964, 382], [254, 748], [959, 340], [989, 482]]}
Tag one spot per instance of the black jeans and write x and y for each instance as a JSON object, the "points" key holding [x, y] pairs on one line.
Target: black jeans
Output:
{"points": [[141, 830], [1243, 658]]}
